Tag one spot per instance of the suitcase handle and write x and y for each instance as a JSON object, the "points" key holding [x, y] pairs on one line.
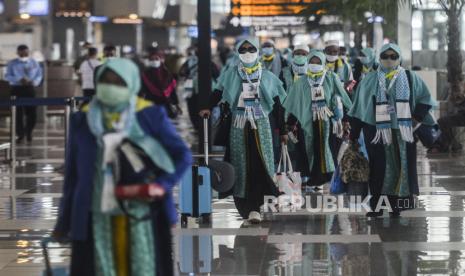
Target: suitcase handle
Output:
{"points": [[205, 138], [48, 267]]}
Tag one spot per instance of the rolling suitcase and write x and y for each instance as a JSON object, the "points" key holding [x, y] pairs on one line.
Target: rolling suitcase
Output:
{"points": [[195, 193]]}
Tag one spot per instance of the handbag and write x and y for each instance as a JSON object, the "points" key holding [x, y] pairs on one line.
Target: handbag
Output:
{"points": [[223, 127], [428, 135], [354, 166], [288, 182], [136, 174]]}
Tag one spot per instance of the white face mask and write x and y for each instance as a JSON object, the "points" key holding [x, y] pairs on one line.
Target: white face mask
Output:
{"points": [[316, 68], [153, 63], [330, 58], [390, 64], [248, 58], [24, 59]]}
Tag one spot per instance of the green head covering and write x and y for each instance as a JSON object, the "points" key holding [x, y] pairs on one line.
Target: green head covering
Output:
{"points": [[255, 43], [370, 54], [124, 68], [319, 54], [252, 40], [129, 72], [391, 46]]}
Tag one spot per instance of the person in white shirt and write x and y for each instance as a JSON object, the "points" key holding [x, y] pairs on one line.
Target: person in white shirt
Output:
{"points": [[86, 72]]}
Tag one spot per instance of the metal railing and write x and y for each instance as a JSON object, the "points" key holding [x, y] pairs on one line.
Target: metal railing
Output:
{"points": [[69, 104]]}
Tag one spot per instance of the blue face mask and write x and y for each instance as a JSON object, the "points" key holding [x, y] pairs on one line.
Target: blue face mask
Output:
{"points": [[300, 60], [268, 51]]}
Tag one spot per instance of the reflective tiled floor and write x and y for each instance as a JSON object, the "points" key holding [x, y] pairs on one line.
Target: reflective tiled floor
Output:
{"points": [[427, 241]]}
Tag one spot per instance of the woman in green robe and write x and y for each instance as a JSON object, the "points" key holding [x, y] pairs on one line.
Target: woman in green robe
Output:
{"points": [[366, 63], [314, 104], [251, 94], [388, 103], [298, 67]]}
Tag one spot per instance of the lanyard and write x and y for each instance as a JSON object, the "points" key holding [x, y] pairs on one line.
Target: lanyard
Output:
{"points": [[321, 81]]}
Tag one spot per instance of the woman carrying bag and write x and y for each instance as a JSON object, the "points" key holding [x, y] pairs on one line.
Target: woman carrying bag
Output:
{"points": [[250, 93], [106, 240], [315, 114], [388, 103]]}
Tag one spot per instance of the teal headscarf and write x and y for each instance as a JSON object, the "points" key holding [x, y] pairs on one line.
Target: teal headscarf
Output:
{"points": [[300, 104], [129, 72], [370, 55], [390, 46], [124, 68], [230, 82], [367, 90], [319, 54], [254, 42]]}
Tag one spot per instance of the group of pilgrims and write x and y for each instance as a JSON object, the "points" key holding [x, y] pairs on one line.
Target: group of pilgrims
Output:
{"points": [[310, 102]]}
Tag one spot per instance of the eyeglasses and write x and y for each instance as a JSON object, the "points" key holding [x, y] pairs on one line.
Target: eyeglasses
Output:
{"points": [[391, 56], [244, 50]]}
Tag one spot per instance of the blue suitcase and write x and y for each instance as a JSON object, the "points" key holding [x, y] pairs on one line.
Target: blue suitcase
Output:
{"points": [[195, 193]]}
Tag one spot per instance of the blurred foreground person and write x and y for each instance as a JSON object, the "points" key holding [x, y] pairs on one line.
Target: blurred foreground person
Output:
{"points": [[250, 93], [388, 103], [314, 104], [159, 85], [112, 234], [23, 74]]}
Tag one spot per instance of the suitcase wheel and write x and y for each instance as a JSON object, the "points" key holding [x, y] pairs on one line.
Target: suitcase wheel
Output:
{"points": [[183, 220], [205, 219]]}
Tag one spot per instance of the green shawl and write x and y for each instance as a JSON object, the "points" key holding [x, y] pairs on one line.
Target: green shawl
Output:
{"points": [[364, 99], [230, 82], [299, 103]]}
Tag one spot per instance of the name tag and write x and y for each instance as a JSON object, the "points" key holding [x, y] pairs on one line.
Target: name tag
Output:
{"points": [[390, 109], [250, 87], [257, 109]]}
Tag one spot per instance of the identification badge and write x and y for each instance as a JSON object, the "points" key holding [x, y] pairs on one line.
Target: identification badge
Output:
{"points": [[250, 87], [390, 109], [257, 109]]}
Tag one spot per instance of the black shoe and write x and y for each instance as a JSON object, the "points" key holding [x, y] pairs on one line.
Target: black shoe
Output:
{"points": [[20, 139], [374, 214]]}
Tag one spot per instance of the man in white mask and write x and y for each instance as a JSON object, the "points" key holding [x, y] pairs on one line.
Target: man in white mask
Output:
{"points": [[336, 64], [23, 74]]}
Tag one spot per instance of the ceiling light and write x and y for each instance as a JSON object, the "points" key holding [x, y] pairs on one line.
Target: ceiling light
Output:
{"points": [[25, 16]]}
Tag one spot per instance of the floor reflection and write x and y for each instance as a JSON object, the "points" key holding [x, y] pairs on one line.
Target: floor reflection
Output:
{"points": [[427, 241]]}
